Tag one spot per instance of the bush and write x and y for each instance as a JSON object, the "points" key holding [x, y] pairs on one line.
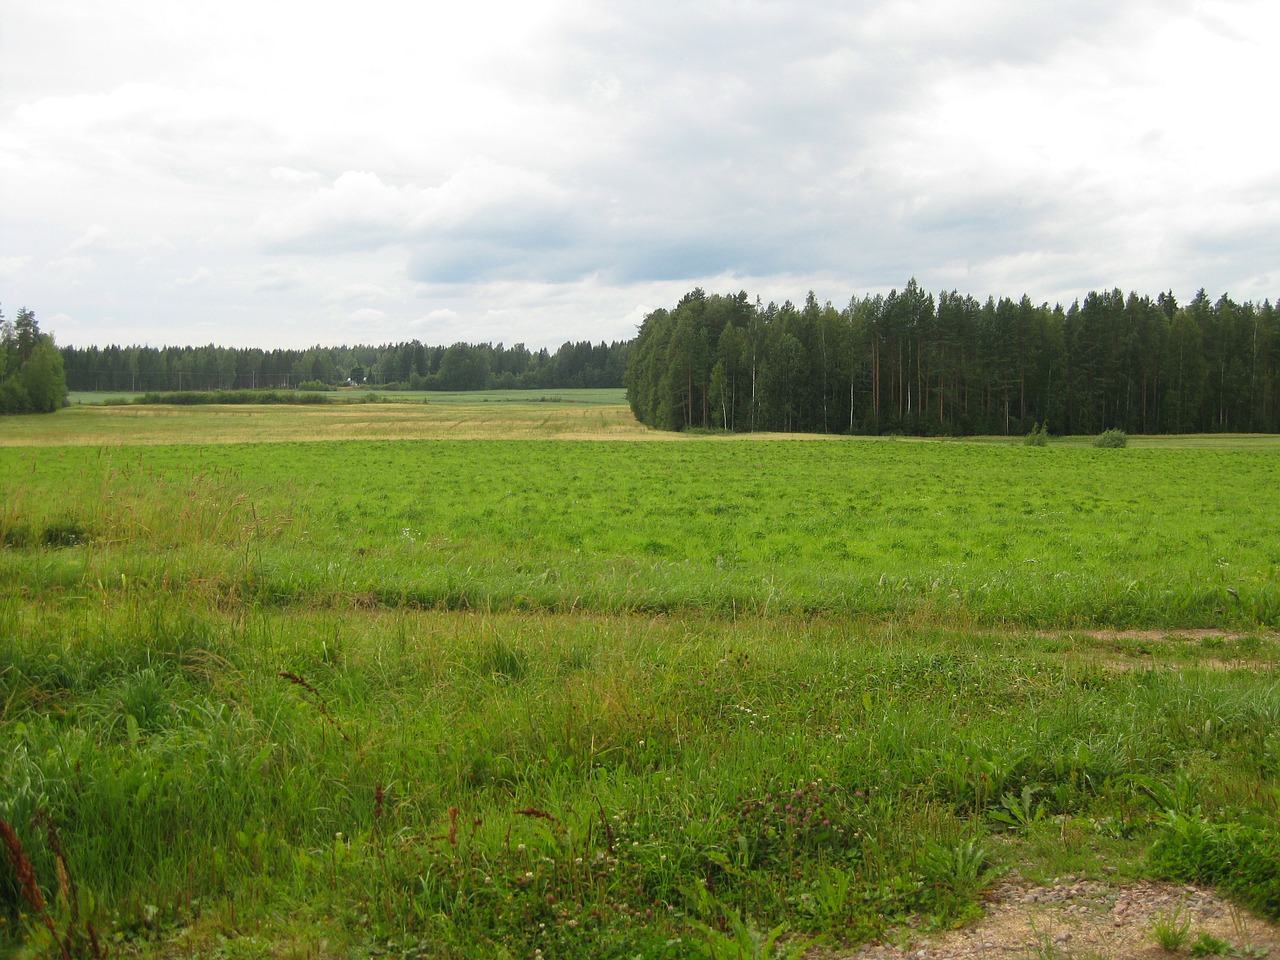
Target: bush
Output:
{"points": [[15, 535], [1113, 439], [315, 386], [1039, 436], [204, 397], [13, 397], [1242, 859], [65, 532]]}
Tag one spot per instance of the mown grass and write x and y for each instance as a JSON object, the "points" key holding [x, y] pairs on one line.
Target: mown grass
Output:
{"points": [[581, 414], [495, 414], [486, 698], [950, 533]]}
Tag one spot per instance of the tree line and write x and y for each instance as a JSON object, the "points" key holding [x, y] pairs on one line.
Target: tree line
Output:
{"points": [[31, 374], [916, 364], [399, 366]]}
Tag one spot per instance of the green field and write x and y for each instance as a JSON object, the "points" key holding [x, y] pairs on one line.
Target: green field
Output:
{"points": [[326, 681]]}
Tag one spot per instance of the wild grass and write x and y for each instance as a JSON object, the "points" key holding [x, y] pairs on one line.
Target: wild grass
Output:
{"points": [[1171, 930], [378, 771], [919, 531], [456, 699]]}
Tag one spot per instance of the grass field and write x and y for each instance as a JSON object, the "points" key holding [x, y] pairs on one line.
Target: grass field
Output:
{"points": [[498, 414], [399, 679]]}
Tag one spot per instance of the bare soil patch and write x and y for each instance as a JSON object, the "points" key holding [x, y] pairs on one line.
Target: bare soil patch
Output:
{"points": [[1078, 919], [1158, 635]]}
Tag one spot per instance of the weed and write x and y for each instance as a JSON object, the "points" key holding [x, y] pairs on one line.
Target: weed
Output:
{"points": [[810, 818], [1207, 945], [726, 936], [1046, 946], [1171, 929], [1182, 797], [1018, 811], [1046, 949], [829, 900], [953, 876]]}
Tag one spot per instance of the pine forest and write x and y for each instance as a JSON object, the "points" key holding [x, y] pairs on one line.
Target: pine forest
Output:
{"points": [[915, 364]]}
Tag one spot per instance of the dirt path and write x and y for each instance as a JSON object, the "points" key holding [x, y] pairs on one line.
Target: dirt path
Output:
{"points": [[1086, 920]]}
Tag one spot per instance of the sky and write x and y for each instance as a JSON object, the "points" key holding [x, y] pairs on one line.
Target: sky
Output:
{"points": [[278, 174]]}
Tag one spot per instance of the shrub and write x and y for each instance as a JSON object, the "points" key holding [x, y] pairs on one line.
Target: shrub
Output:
{"points": [[315, 386], [1038, 437], [203, 397], [1112, 439], [13, 397], [1242, 859], [65, 532], [15, 535]]}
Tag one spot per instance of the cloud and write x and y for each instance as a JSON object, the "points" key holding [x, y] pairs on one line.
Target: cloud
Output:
{"points": [[147, 127], [358, 210], [435, 320], [541, 171], [483, 206], [12, 267], [292, 176], [96, 237], [202, 275], [358, 291]]}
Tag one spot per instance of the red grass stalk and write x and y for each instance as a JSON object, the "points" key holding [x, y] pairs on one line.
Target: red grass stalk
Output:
{"points": [[319, 702], [26, 875], [22, 867], [66, 884]]}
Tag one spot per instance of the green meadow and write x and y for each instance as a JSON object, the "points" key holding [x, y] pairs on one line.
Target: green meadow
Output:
{"points": [[478, 679]]}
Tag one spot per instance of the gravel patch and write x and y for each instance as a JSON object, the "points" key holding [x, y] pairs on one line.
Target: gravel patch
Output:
{"points": [[1075, 919]]}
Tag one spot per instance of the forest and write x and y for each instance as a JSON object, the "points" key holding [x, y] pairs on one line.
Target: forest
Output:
{"points": [[399, 366], [31, 377], [915, 364], [907, 363]]}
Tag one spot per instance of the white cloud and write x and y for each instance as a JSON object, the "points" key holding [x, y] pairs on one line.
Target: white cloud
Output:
{"points": [[538, 171], [201, 275], [358, 210], [97, 236], [290, 175], [11, 267], [483, 199]]}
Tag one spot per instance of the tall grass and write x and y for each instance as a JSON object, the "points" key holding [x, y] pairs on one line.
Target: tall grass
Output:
{"points": [[456, 699], [511, 770]]}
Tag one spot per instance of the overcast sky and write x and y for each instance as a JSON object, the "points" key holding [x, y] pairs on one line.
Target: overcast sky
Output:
{"points": [[262, 173]]}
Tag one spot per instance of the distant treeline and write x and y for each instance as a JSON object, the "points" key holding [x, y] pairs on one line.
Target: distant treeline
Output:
{"points": [[952, 365], [400, 366]]}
